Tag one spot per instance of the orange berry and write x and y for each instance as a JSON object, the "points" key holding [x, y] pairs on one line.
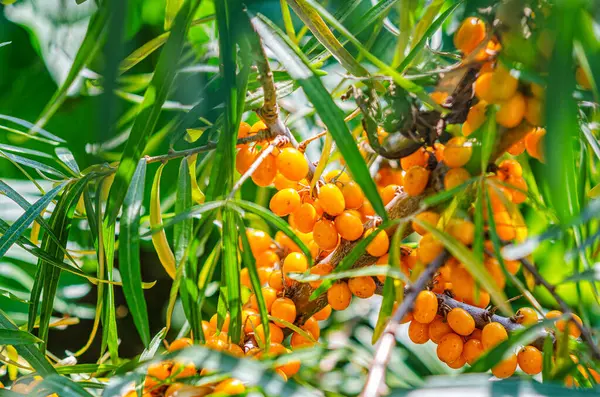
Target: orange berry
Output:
{"points": [[235, 350], [298, 341], [495, 271], [257, 127], [312, 327], [472, 349], [462, 230], [437, 329], [339, 296], [461, 321], [285, 309], [295, 263], [292, 164], [266, 171], [363, 287], [215, 319], [428, 217], [417, 158], [520, 188], [378, 245], [439, 97], [527, 316], [331, 199], [530, 360], [244, 130], [469, 35], [349, 226], [415, 180], [511, 167], [325, 234], [476, 334], [482, 301], [281, 182], [455, 177], [353, 195], [264, 273], [506, 368], [259, 241], [457, 152], [492, 334], [426, 307], [320, 269], [276, 280], [504, 226], [534, 143], [230, 386], [573, 330], [418, 333], [305, 217], [463, 284], [250, 320], [496, 86], [276, 333], [366, 210], [267, 259], [244, 158], [534, 111], [511, 112], [458, 363], [179, 344], [450, 347], [180, 370], [156, 373], [323, 314], [429, 248], [517, 148], [268, 293], [475, 118], [337, 176], [284, 202], [388, 193]]}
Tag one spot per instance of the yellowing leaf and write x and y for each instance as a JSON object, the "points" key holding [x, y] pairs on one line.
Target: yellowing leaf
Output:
{"points": [[159, 239], [197, 194]]}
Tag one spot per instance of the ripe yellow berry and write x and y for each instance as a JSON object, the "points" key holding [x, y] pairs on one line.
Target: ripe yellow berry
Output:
{"points": [[530, 360], [295, 262], [527, 316], [320, 269], [250, 320], [450, 347], [462, 230], [285, 309], [469, 35], [259, 241], [417, 158], [511, 111], [353, 195], [461, 321], [336, 176], [339, 296], [475, 118], [267, 259], [269, 294], [157, 372], [415, 180], [437, 329], [179, 344], [428, 217], [457, 152], [244, 158], [388, 193], [284, 202], [325, 234], [281, 182], [472, 349], [230, 386], [266, 172], [455, 177], [349, 226], [312, 327], [429, 248], [379, 245], [534, 143], [305, 217], [496, 86], [518, 188], [323, 314], [292, 164], [426, 307], [534, 111], [276, 333], [362, 287], [492, 334], [298, 341], [562, 324], [418, 333], [331, 199], [214, 320], [506, 367]]}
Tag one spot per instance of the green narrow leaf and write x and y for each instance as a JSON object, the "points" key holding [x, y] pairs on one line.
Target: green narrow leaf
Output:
{"points": [[13, 337], [129, 252], [231, 270], [52, 139], [109, 318], [22, 223], [385, 311], [22, 150], [36, 165], [154, 98], [60, 385], [67, 158], [183, 230], [547, 364], [331, 115], [206, 274], [490, 130], [172, 8]]}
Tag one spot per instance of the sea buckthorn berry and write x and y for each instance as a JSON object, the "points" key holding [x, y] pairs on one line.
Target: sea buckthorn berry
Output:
{"points": [[418, 333], [362, 287], [517, 148], [276, 333], [235, 350], [455, 177], [439, 97], [388, 193], [259, 241], [214, 320], [463, 284], [527, 316], [269, 294], [295, 263], [438, 151], [325, 234], [506, 368], [298, 341], [534, 111], [461, 321], [496, 86], [518, 188], [284, 202], [476, 334], [349, 226], [312, 327], [180, 370], [429, 248], [417, 158], [336, 176], [415, 180], [534, 143], [264, 273], [244, 130], [472, 349], [276, 281], [266, 172], [572, 327], [450, 347], [257, 127], [379, 245], [437, 329], [483, 87], [492, 334], [320, 269], [331, 199], [267, 259], [457, 152], [511, 167], [482, 300], [285, 309], [230, 386], [530, 360], [504, 226], [475, 118], [244, 158], [290, 368], [179, 344], [469, 35], [339, 296], [512, 266], [428, 217], [323, 314], [353, 195], [511, 112], [458, 363], [250, 320], [495, 271], [156, 372], [537, 90], [292, 164], [426, 307], [462, 230], [366, 210]]}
